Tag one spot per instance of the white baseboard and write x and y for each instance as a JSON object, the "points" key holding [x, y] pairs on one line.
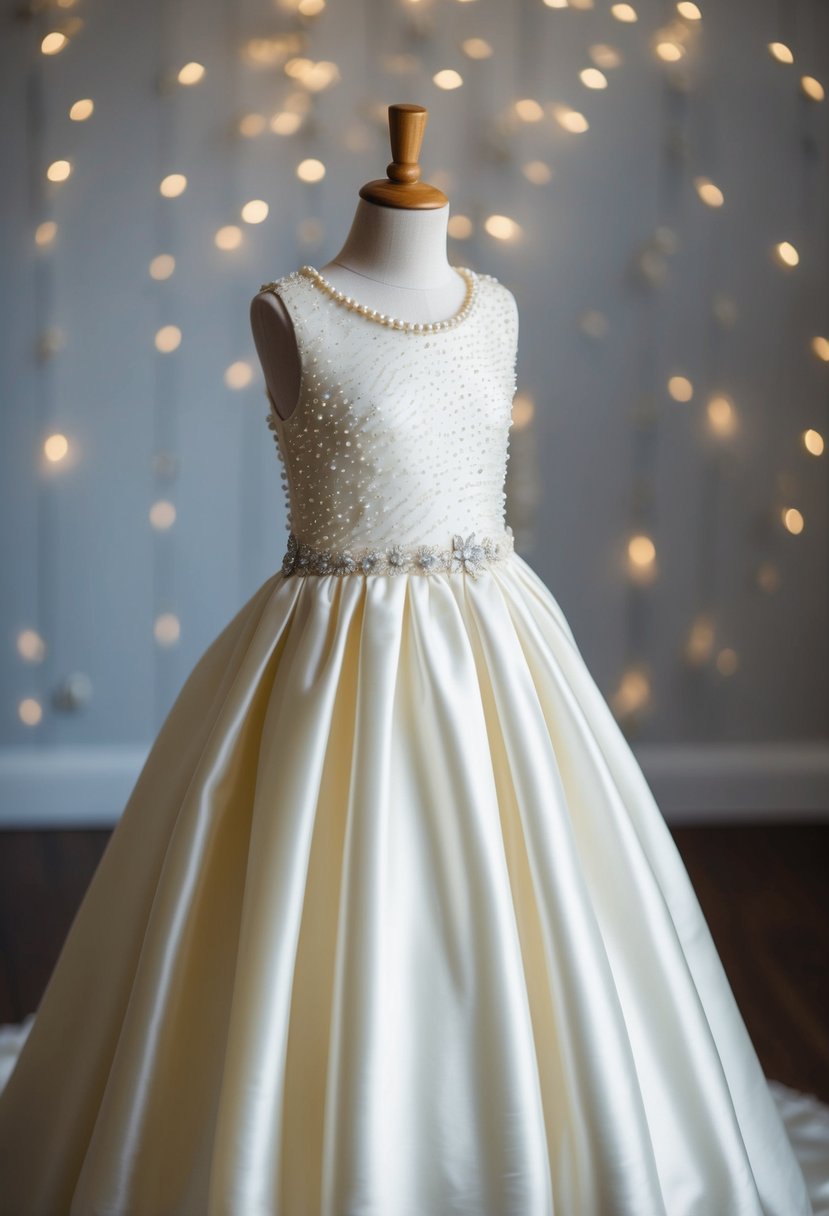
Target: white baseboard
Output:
{"points": [[89, 787]]}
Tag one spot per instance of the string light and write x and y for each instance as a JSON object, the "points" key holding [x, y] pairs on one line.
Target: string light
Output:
{"points": [[79, 111], [167, 629], [787, 254], [447, 78], [793, 520], [238, 375], [689, 11], [537, 171], [227, 238], [605, 56], [668, 51], [812, 88], [570, 120], [641, 553], [700, 642], [592, 78], [59, 170], [556, 3], [476, 48], [820, 347], [781, 52], [31, 646], [528, 110], [251, 125], [523, 411], [633, 693], [459, 227], [162, 515], [191, 73], [624, 12], [710, 194], [813, 442], [54, 43], [162, 266], [502, 227], [721, 416], [46, 232], [173, 185], [727, 661], [56, 448], [255, 211], [286, 122], [680, 388], [168, 339], [30, 711], [310, 170]]}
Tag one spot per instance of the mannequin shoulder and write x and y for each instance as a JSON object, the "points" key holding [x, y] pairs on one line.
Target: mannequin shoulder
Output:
{"points": [[503, 300]]}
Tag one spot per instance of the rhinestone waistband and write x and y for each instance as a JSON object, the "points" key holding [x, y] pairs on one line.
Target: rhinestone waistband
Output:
{"points": [[466, 554]]}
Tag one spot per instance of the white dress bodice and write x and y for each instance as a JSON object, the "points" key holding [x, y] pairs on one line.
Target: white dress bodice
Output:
{"points": [[395, 453]]}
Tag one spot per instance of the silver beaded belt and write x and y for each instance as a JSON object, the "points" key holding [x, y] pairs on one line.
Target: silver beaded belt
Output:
{"points": [[465, 554]]}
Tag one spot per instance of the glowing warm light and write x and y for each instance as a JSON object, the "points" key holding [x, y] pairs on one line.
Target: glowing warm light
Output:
{"points": [[310, 8], [721, 416], [787, 253], [680, 388], [285, 122], [523, 411], [31, 646], [537, 171], [59, 170], [727, 661], [556, 3], [53, 43], [781, 52], [633, 693], [641, 552], [793, 520], [813, 442], [605, 56], [689, 11], [167, 629], [79, 111], [476, 48], [173, 185], [592, 78], [700, 641], [239, 375], [812, 88], [255, 211], [310, 170], [55, 448], [162, 266], [191, 73], [46, 232], [669, 52], [227, 238], [251, 125], [710, 194], [29, 711], [168, 339], [529, 110], [624, 12], [459, 227], [502, 227], [570, 120], [448, 78], [820, 347], [162, 515]]}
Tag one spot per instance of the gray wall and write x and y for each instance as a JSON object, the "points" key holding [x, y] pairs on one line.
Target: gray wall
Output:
{"points": [[607, 453]]}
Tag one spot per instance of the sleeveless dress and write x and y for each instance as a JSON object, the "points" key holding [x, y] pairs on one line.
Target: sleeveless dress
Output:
{"points": [[391, 924]]}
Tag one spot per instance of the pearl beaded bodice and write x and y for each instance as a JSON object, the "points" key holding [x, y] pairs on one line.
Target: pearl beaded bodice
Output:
{"points": [[399, 436]]}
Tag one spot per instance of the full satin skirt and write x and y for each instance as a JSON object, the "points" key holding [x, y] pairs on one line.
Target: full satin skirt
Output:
{"points": [[391, 925]]}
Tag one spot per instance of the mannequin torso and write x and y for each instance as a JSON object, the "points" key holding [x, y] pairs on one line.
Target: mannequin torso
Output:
{"points": [[394, 259]]}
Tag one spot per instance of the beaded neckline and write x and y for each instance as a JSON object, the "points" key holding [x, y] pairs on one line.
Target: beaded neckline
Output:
{"points": [[416, 327]]}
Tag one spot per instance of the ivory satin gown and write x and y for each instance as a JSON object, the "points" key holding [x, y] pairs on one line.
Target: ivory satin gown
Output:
{"points": [[391, 924]]}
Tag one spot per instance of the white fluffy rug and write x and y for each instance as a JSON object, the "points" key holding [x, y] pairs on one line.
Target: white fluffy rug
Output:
{"points": [[806, 1119]]}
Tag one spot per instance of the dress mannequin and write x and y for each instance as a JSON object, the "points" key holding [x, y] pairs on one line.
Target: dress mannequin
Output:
{"points": [[394, 259]]}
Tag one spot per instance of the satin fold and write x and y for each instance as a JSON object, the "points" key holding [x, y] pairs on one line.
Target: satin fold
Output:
{"points": [[391, 925]]}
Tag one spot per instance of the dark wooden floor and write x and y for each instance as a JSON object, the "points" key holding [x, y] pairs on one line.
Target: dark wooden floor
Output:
{"points": [[763, 890]]}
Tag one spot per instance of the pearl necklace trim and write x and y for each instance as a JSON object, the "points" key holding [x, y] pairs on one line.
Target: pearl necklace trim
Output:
{"points": [[412, 327], [468, 555]]}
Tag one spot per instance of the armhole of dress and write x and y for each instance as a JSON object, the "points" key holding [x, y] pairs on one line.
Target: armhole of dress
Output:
{"points": [[277, 288]]}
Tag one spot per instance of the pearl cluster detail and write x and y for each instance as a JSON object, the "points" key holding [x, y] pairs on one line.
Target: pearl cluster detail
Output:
{"points": [[394, 446], [412, 327], [465, 555]]}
